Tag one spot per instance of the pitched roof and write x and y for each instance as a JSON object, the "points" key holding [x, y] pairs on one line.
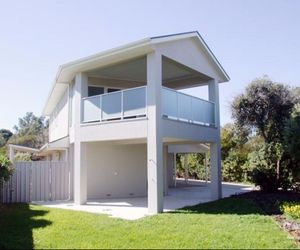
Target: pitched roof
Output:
{"points": [[66, 72]]}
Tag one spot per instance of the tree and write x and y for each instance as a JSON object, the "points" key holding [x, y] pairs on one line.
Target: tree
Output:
{"points": [[265, 107], [292, 146], [30, 124], [31, 131], [5, 134], [231, 138]]}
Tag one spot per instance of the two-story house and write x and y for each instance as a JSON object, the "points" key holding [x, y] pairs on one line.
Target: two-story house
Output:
{"points": [[116, 115]]}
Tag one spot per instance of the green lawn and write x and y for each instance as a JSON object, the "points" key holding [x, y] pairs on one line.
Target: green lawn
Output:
{"points": [[228, 223]]}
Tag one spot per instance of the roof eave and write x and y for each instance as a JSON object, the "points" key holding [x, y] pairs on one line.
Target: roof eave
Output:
{"points": [[72, 67]]}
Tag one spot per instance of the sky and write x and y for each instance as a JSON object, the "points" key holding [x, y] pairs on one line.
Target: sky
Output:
{"points": [[250, 38]]}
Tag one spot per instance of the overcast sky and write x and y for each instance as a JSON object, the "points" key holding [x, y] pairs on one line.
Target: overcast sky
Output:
{"points": [[250, 39]]}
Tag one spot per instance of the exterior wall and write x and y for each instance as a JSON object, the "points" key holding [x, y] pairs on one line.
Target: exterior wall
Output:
{"points": [[188, 132], [116, 171], [191, 54], [115, 130], [59, 122]]}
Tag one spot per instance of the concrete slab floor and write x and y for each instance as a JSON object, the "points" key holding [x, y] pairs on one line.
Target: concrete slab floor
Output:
{"points": [[193, 193]]}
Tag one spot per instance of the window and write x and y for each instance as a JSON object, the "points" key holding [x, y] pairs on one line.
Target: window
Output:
{"points": [[109, 90], [92, 90]]}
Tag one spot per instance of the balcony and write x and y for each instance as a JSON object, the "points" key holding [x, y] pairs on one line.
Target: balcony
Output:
{"points": [[131, 103], [124, 104], [182, 107]]}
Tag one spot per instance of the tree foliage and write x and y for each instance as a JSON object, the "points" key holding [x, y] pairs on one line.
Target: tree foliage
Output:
{"points": [[292, 136], [20, 156], [195, 163], [269, 110], [5, 169], [265, 106], [31, 131], [232, 137], [263, 165], [5, 134]]}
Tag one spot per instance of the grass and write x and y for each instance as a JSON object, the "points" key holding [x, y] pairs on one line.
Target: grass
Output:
{"points": [[227, 223]]}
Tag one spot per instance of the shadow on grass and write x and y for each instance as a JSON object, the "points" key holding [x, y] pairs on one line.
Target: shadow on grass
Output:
{"points": [[255, 202], [16, 224], [230, 205], [270, 202]]}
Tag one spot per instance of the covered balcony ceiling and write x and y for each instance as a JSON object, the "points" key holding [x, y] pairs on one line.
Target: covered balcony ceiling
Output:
{"points": [[174, 74]]}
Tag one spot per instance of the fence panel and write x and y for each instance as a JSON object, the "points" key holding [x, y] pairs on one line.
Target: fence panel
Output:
{"points": [[38, 181]]}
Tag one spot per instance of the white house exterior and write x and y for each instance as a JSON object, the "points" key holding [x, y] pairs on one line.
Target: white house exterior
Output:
{"points": [[119, 116]]}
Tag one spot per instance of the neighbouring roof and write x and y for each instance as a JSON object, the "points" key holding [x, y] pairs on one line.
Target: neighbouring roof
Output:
{"points": [[66, 72], [60, 144], [23, 149]]}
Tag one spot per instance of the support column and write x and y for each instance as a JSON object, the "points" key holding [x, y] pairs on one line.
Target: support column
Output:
{"points": [[80, 168], [154, 134], [215, 147], [165, 162]]}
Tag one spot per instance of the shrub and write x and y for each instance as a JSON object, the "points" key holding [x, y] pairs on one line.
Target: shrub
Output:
{"points": [[291, 209], [5, 169], [266, 179], [22, 156], [233, 166], [263, 166]]}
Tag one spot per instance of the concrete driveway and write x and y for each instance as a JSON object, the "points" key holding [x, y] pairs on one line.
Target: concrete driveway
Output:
{"points": [[193, 193]]}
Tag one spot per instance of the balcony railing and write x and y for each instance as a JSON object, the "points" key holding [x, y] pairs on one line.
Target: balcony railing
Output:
{"points": [[128, 103], [183, 107], [131, 103]]}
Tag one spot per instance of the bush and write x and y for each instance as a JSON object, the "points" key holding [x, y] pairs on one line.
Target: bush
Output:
{"points": [[266, 179], [234, 166], [195, 163], [5, 169], [263, 166], [22, 156], [291, 209]]}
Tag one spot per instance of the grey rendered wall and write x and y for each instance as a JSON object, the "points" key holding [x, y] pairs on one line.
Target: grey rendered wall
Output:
{"points": [[116, 171]]}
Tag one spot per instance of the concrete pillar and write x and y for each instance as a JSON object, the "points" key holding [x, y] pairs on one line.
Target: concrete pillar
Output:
{"points": [[165, 162], [213, 95], [80, 174], [80, 168], [154, 134], [215, 171], [215, 147]]}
